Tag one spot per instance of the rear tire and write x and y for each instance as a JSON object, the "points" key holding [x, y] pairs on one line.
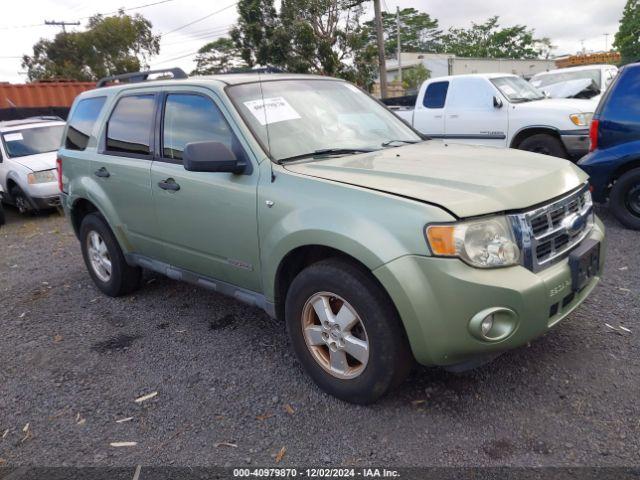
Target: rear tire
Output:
{"points": [[104, 258], [21, 201], [624, 200], [357, 350], [544, 144]]}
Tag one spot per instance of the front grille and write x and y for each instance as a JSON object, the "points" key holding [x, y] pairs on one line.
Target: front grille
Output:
{"points": [[547, 234]]}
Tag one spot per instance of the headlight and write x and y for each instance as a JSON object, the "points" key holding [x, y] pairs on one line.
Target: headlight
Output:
{"points": [[484, 243], [581, 119], [44, 176]]}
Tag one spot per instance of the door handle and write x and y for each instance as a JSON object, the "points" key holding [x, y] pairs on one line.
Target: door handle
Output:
{"points": [[169, 184], [454, 116], [102, 172]]}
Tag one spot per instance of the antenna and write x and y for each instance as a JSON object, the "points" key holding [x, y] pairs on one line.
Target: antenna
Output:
{"points": [[266, 126]]}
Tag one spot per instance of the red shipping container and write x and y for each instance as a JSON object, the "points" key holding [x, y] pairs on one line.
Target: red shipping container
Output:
{"points": [[41, 94]]}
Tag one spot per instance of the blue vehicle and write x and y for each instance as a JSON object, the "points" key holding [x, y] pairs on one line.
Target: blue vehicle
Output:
{"points": [[614, 159]]}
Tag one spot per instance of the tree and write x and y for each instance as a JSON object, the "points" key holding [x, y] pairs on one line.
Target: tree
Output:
{"points": [[488, 40], [253, 35], [219, 56], [627, 39], [109, 46], [418, 32], [306, 36], [544, 47], [413, 77]]}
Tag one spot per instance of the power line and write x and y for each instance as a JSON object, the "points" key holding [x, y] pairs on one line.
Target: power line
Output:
{"points": [[13, 27], [176, 58], [200, 19], [212, 34], [131, 8]]}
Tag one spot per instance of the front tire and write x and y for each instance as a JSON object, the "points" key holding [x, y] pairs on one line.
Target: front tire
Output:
{"points": [[104, 258], [21, 201], [346, 332], [624, 199], [544, 144]]}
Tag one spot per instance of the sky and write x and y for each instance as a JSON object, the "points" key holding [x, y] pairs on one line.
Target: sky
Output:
{"points": [[571, 24]]}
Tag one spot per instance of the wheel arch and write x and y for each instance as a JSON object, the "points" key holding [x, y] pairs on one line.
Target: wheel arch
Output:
{"points": [[527, 132], [301, 257], [624, 168], [80, 208]]}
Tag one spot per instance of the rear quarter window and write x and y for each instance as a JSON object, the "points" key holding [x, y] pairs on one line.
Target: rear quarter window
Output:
{"points": [[622, 105], [130, 125], [82, 121]]}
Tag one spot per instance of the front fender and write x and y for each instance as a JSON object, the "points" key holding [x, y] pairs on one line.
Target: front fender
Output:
{"points": [[370, 226]]}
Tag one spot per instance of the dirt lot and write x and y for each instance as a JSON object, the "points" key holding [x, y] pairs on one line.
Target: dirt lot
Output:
{"points": [[229, 391]]}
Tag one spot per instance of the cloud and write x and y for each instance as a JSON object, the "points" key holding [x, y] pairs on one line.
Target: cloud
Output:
{"points": [[566, 23]]}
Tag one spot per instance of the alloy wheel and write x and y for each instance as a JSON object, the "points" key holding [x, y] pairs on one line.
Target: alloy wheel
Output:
{"points": [[99, 256], [335, 335], [21, 204]]}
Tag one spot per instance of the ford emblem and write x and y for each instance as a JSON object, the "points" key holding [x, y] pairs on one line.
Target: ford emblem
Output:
{"points": [[574, 223]]}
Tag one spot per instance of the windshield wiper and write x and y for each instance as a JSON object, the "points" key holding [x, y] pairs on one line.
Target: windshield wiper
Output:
{"points": [[389, 142], [326, 152]]}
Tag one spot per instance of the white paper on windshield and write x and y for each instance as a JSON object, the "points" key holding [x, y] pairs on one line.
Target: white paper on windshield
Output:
{"points": [[271, 110], [508, 90], [13, 137]]}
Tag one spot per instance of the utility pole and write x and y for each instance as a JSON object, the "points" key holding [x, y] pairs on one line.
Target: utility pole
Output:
{"points": [[399, 45], [60, 24], [606, 41], [381, 60]]}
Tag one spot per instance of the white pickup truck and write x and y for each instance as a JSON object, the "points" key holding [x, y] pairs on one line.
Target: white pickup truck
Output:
{"points": [[503, 111]]}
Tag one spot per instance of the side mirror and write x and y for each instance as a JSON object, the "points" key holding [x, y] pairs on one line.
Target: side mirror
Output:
{"points": [[497, 102], [211, 157]]}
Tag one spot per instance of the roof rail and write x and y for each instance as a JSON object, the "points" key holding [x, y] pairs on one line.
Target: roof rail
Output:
{"points": [[135, 77]]}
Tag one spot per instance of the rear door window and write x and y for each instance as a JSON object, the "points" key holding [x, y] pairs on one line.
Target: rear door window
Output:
{"points": [[129, 130], [436, 95], [82, 121]]}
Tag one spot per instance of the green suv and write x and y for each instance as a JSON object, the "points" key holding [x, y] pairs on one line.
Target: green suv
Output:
{"points": [[305, 197]]}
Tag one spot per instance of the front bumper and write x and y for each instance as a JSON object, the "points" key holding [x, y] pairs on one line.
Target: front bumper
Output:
{"points": [[576, 142], [43, 203], [437, 297]]}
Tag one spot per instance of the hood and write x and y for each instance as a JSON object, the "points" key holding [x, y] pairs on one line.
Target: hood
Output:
{"points": [[569, 88], [563, 106], [466, 180], [36, 163]]}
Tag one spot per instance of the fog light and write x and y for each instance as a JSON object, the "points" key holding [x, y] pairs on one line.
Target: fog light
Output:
{"points": [[493, 324], [487, 325]]}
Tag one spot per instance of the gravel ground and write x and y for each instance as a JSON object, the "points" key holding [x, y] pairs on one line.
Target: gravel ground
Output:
{"points": [[229, 391]]}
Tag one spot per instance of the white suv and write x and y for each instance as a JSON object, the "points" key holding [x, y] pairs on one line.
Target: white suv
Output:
{"points": [[1, 211], [28, 162]]}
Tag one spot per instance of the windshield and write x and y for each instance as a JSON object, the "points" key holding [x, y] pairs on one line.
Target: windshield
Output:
{"points": [[322, 116], [546, 79], [517, 90], [31, 141]]}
